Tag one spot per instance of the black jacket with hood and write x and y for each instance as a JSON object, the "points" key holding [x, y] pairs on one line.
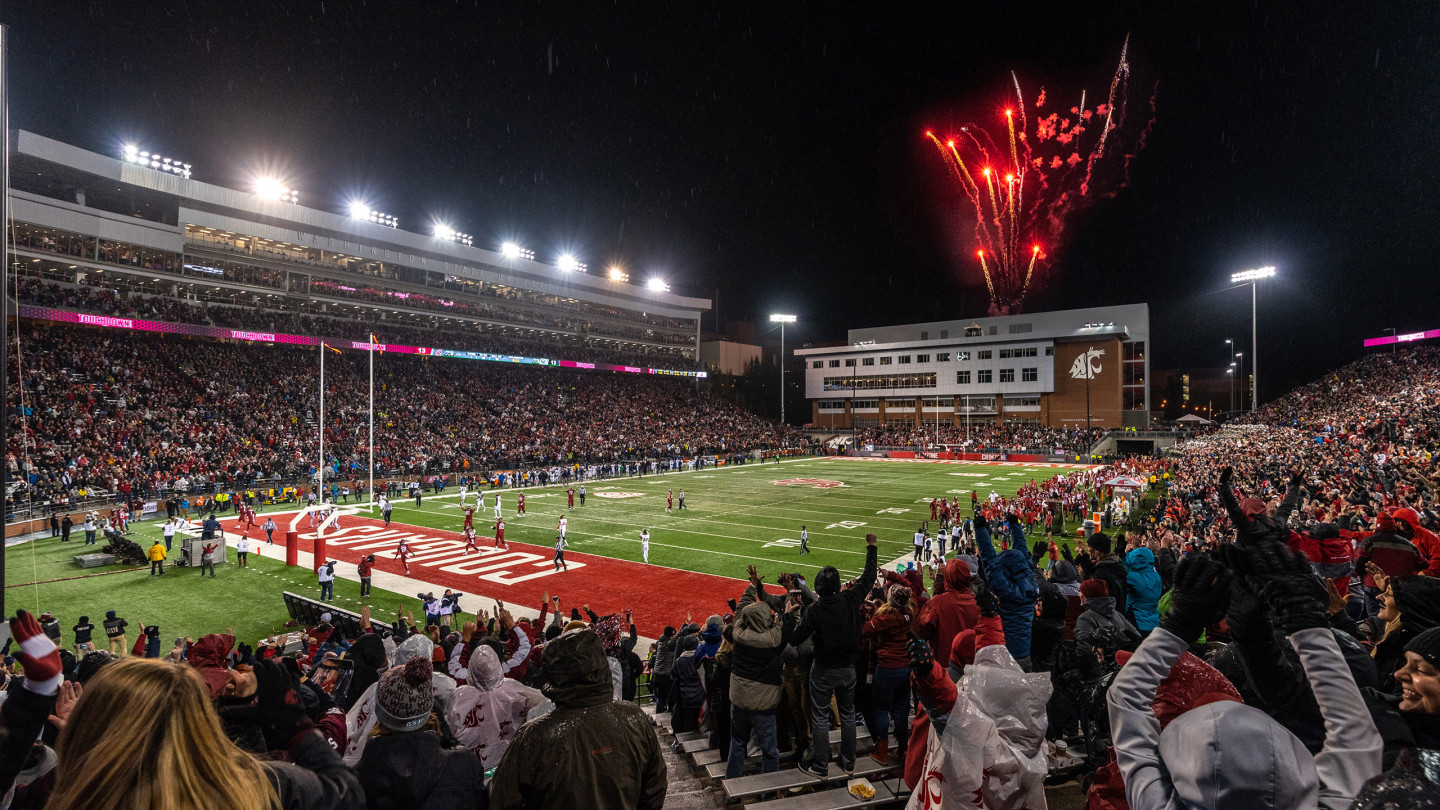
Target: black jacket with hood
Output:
{"points": [[834, 620], [591, 752]]}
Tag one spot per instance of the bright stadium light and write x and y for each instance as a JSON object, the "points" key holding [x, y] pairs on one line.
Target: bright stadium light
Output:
{"points": [[270, 188], [130, 153], [657, 284], [570, 264], [782, 319], [360, 210], [449, 234], [616, 274], [511, 250], [1247, 276]]}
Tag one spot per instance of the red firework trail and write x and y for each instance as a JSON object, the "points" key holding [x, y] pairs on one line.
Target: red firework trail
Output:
{"points": [[1035, 172]]}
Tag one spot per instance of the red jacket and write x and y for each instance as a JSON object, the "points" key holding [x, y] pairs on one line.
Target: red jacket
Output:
{"points": [[936, 689], [948, 613], [890, 628], [1429, 546]]}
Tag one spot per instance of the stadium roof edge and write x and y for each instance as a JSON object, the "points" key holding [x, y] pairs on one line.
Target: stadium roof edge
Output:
{"points": [[222, 200]]}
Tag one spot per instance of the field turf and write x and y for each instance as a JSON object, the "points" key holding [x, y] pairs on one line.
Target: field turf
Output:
{"points": [[734, 516]]}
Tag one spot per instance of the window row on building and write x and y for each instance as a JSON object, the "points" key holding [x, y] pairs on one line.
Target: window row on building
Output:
{"points": [[937, 357]]}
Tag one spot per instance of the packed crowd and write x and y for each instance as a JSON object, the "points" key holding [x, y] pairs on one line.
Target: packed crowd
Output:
{"points": [[492, 713], [1187, 674], [984, 434], [1268, 635], [304, 317], [133, 413]]}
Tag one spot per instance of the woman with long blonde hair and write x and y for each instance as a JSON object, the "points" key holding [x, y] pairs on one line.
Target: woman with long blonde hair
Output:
{"points": [[145, 735]]}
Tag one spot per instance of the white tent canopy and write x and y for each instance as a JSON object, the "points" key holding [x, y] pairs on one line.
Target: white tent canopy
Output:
{"points": [[1192, 419], [1125, 481]]}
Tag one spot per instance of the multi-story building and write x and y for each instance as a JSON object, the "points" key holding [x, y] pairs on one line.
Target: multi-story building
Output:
{"points": [[128, 226], [1071, 368]]}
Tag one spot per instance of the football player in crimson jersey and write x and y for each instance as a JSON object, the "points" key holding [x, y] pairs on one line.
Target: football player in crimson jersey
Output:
{"points": [[500, 535], [520, 504], [469, 517], [469, 535]]}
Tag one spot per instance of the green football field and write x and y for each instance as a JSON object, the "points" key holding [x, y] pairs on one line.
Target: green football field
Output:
{"points": [[734, 516]]}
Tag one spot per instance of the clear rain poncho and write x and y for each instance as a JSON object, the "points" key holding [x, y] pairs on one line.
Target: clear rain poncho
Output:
{"points": [[992, 748]]}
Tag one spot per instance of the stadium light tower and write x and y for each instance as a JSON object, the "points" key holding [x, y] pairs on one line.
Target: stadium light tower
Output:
{"points": [[782, 320], [269, 188], [1251, 277], [657, 284], [569, 263], [617, 274]]}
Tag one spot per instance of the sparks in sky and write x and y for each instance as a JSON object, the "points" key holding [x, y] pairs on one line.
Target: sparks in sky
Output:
{"points": [[1038, 172]]}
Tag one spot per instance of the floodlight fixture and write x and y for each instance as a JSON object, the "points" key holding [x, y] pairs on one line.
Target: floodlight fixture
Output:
{"points": [[269, 188], [1247, 276], [130, 153]]}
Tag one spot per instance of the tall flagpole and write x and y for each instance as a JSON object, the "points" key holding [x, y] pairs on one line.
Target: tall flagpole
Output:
{"points": [[372, 423]]}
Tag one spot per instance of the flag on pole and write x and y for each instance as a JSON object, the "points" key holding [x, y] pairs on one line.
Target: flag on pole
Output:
{"points": [[325, 345], [375, 341]]}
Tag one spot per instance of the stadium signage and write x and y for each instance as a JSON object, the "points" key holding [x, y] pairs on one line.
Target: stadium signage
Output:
{"points": [[1406, 338], [103, 320], [66, 316]]}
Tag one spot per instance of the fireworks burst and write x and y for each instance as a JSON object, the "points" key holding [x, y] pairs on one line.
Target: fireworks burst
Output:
{"points": [[1035, 174]]}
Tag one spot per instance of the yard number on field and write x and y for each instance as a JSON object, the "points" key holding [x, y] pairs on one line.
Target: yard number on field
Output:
{"points": [[892, 511], [846, 524], [784, 541]]}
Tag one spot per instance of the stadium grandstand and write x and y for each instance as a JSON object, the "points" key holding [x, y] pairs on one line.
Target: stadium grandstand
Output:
{"points": [[113, 235]]}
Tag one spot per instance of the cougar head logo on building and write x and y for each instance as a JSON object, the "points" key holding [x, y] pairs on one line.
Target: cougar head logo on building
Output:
{"points": [[1087, 366]]}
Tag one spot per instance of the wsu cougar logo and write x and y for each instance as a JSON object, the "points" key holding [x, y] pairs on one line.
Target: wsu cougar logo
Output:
{"points": [[818, 483], [1087, 365]]}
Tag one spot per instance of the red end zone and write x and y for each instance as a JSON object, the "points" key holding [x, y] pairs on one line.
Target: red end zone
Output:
{"points": [[523, 573]]}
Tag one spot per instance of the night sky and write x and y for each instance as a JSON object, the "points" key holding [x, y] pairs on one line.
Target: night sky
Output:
{"points": [[773, 153]]}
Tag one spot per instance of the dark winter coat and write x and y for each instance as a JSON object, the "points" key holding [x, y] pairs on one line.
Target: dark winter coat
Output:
{"points": [[664, 655], [411, 771], [755, 659], [1113, 572], [591, 752], [834, 620]]}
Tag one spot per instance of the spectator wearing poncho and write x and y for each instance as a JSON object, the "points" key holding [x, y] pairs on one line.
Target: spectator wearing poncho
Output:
{"points": [[489, 709]]}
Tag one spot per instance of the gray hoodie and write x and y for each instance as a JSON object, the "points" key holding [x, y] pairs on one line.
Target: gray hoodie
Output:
{"points": [[1225, 754]]}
